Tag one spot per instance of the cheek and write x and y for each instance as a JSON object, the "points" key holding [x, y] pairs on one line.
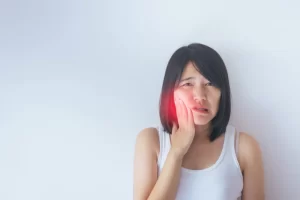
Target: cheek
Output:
{"points": [[182, 94]]}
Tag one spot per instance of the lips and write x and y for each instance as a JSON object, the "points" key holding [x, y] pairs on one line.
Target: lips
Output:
{"points": [[200, 109]]}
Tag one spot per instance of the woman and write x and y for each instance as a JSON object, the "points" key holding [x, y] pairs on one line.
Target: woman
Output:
{"points": [[196, 154]]}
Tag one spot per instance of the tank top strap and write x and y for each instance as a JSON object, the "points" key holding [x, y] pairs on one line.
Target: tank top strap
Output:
{"points": [[230, 132], [232, 147], [237, 137], [164, 145], [234, 138]]}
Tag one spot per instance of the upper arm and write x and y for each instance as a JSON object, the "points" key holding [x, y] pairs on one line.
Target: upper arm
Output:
{"points": [[145, 163], [250, 157]]}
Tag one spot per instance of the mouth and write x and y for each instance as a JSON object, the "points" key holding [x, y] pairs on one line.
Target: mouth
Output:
{"points": [[200, 110]]}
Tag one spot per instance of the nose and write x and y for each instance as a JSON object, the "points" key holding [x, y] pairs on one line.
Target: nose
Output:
{"points": [[199, 94]]}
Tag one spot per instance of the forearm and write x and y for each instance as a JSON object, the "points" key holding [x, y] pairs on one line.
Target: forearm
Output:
{"points": [[167, 183]]}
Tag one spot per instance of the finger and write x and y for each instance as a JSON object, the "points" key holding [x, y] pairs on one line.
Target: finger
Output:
{"points": [[178, 112], [190, 117], [174, 128], [182, 116], [184, 113]]}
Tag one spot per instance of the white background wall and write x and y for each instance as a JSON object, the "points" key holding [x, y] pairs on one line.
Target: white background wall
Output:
{"points": [[80, 79]]}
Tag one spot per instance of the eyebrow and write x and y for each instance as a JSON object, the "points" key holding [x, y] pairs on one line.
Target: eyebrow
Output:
{"points": [[188, 78]]}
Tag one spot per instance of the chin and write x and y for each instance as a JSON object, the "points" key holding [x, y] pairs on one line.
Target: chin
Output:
{"points": [[202, 122]]}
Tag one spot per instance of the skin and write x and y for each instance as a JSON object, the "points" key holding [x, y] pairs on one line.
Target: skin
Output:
{"points": [[190, 145]]}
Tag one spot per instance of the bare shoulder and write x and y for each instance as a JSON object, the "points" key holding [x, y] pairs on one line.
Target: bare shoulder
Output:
{"points": [[145, 162], [252, 167], [148, 135], [249, 150], [148, 138], [248, 143]]}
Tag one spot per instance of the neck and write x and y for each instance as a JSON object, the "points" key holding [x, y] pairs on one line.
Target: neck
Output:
{"points": [[202, 132]]}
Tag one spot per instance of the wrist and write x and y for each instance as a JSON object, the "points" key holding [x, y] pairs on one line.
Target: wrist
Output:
{"points": [[176, 153]]}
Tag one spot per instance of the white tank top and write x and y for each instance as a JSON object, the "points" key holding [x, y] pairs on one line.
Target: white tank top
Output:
{"points": [[222, 181]]}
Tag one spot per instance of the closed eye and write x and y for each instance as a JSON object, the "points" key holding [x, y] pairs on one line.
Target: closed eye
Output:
{"points": [[187, 84], [210, 84]]}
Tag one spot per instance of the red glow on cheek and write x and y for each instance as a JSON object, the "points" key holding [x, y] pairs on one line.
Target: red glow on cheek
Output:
{"points": [[172, 111], [168, 99]]}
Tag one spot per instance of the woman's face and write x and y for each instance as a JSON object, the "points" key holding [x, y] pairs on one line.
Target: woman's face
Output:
{"points": [[196, 91]]}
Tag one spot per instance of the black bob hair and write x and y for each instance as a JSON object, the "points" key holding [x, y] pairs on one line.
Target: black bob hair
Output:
{"points": [[210, 64]]}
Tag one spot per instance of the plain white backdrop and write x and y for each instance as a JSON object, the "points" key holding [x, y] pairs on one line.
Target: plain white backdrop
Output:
{"points": [[80, 79]]}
